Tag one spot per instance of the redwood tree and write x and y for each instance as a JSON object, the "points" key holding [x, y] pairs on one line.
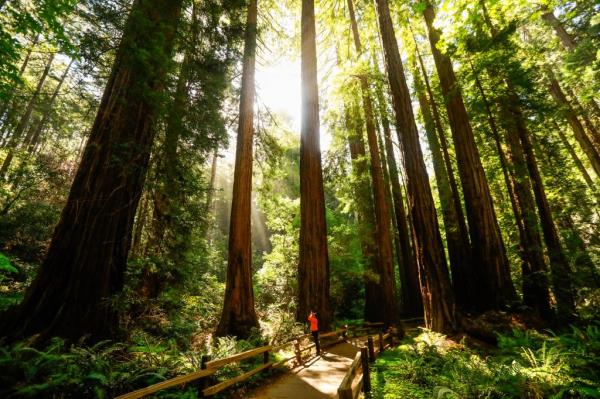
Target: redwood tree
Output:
{"points": [[494, 287], [438, 301], [238, 316], [86, 260], [313, 267]]}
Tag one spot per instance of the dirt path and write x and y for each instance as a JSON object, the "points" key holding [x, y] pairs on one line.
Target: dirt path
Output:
{"points": [[319, 378]]}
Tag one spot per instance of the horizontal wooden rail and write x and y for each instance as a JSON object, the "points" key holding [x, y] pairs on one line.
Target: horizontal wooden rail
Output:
{"points": [[225, 384], [182, 379], [236, 358]]}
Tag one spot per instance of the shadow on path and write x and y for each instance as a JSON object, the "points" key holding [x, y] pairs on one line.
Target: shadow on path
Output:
{"points": [[319, 378]]}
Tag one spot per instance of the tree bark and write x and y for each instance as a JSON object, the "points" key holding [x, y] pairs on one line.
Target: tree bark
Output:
{"points": [[238, 317], [86, 260], [412, 303], [436, 290], [313, 268], [495, 288], [569, 113], [386, 309]]}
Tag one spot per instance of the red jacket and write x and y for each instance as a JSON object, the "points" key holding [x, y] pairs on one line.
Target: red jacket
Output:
{"points": [[314, 322]]}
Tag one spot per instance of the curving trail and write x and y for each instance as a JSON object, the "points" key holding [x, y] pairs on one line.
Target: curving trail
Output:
{"points": [[319, 378]]}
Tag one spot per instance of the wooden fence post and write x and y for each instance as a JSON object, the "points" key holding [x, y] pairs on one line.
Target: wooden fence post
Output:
{"points": [[364, 358], [298, 352], [266, 357], [371, 349], [203, 383], [381, 344]]}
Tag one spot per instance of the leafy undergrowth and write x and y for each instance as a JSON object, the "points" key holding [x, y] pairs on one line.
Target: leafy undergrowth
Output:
{"points": [[525, 365]]}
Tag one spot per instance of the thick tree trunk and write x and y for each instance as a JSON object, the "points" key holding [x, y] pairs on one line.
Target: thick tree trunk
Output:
{"points": [[436, 289], [87, 256], [495, 289], [238, 316], [569, 113], [458, 242], [565, 38], [24, 120], [412, 303], [313, 268], [386, 309]]}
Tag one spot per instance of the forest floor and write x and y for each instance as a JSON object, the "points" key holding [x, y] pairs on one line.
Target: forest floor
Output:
{"points": [[319, 378]]}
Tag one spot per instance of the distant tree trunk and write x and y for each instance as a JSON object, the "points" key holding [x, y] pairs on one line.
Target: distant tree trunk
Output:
{"points": [[386, 309], [361, 185], [313, 268], [579, 252], [456, 237], [412, 303], [39, 127], [581, 111], [569, 113], [7, 104], [24, 120], [438, 301], [87, 256], [238, 316], [213, 176], [584, 173], [562, 276], [565, 38], [535, 281], [495, 288], [139, 225]]}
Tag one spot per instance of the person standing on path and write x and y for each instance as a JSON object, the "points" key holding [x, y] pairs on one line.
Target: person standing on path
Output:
{"points": [[314, 329]]}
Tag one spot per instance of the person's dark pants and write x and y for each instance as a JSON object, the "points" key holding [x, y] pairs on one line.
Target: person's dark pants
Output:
{"points": [[315, 335]]}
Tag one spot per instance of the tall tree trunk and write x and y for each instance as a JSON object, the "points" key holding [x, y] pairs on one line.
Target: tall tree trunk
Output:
{"points": [[386, 309], [569, 113], [87, 256], [238, 316], [412, 303], [565, 38], [579, 252], [39, 127], [24, 120], [313, 268], [438, 301], [139, 225], [495, 288], [583, 114], [458, 241]]}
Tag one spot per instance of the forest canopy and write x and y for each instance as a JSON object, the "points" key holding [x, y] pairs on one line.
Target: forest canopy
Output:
{"points": [[189, 178]]}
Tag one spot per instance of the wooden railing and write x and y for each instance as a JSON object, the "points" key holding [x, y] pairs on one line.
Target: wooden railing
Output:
{"points": [[204, 377], [358, 377]]}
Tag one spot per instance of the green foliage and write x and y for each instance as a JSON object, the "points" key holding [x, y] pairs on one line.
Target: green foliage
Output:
{"points": [[528, 364], [103, 370]]}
